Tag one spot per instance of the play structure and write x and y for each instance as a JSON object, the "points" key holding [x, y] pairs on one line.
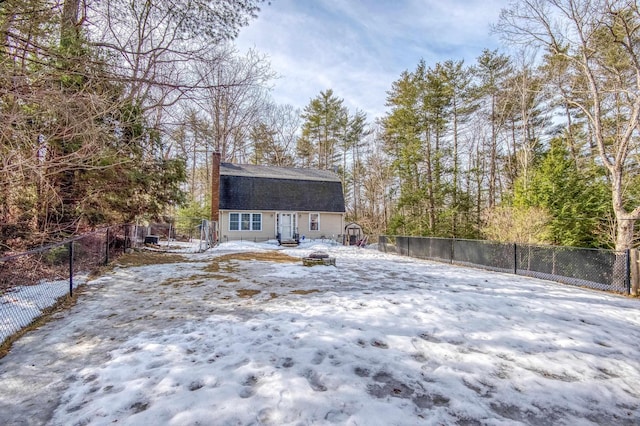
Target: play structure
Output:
{"points": [[354, 236]]}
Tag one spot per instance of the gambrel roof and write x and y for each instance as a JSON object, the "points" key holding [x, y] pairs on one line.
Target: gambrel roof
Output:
{"points": [[250, 187]]}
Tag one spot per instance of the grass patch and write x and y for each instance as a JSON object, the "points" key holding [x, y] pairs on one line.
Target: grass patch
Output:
{"points": [[223, 264], [197, 280], [223, 278], [193, 281], [245, 293], [269, 256], [304, 291], [143, 258], [216, 267]]}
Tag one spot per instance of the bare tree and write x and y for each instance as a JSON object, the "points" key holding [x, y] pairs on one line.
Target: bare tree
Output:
{"points": [[598, 41], [87, 86], [525, 225], [375, 200], [274, 137], [234, 98]]}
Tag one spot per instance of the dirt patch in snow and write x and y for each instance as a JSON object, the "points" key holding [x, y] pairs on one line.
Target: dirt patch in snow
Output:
{"points": [[143, 258], [305, 291], [245, 293], [225, 263], [270, 256]]}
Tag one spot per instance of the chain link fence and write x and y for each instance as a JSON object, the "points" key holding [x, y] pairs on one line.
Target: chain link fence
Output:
{"points": [[37, 280], [607, 270], [176, 235], [34, 282]]}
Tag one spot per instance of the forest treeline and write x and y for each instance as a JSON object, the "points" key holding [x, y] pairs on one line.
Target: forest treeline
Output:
{"points": [[112, 109], [90, 93]]}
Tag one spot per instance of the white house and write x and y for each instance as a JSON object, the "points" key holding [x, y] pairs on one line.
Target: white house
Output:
{"points": [[266, 202]]}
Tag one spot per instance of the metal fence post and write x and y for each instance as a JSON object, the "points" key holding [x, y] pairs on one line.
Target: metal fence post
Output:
{"points": [[627, 271], [106, 258], [71, 268], [635, 271], [515, 259]]}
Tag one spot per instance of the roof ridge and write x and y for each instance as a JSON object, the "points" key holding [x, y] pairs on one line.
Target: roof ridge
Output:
{"points": [[277, 172]]}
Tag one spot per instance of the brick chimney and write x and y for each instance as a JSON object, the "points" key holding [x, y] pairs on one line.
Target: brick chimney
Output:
{"points": [[215, 187]]}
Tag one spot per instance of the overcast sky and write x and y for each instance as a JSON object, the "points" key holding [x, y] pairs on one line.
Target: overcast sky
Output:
{"points": [[359, 47]]}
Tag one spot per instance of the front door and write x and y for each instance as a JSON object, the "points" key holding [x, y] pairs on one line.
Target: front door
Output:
{"points": [[286, 226]]}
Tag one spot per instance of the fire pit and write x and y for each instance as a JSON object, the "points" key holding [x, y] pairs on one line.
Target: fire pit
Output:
{"points": [[318, 258]]}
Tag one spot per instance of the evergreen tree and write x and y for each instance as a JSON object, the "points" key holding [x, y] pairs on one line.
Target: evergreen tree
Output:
{"points": [[458, 80], [575, 201], [492, 68], [325, 119], [403, 143], [594, 46], [354, 139], [82, 143]]}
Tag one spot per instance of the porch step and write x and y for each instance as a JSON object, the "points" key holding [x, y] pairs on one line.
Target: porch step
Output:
{"points": [[289, 243]]}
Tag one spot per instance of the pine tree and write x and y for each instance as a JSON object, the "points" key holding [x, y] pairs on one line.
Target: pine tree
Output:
{"points": [[594, 46], [575, 201], [322, 130], [492, 68], [403, 143]]}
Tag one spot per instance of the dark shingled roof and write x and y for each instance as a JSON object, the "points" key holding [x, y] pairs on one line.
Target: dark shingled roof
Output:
{"points": [[273, 172], [249, 187]]}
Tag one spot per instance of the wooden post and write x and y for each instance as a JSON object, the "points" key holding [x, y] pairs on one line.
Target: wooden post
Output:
{"points": [[635, 271]]}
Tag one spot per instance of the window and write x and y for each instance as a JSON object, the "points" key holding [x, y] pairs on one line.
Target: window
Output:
{"points": [[234, 222], [256, 222], [314, 221], [245, 221]]}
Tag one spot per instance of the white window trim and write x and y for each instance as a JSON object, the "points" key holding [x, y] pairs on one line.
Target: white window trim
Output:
{"points": [[239, 222], [311, 230]]}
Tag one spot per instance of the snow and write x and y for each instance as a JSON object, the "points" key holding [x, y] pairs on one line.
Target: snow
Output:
{"points": [[194, 245], [377, 340]]}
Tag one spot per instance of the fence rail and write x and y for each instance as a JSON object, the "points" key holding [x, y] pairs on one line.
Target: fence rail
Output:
{"points": [[607, 270]]}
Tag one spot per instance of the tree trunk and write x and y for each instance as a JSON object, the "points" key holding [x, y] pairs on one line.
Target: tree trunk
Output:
{"points": [[454, 200], [69, 23], [494, 155], [625, 226], [430, 189]]}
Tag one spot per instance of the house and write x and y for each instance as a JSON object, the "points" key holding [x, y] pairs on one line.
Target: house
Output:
{"points": [[259, 203]]}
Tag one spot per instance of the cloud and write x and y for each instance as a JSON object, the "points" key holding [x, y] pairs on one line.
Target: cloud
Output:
{"points": [[358, 48]]}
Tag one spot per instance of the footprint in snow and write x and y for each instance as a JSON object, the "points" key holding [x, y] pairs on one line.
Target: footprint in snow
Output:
{"points": [[314, 381], [195, 385], [377, 343], [318, 358], [286, 362], [362, 372], [249, 384]]}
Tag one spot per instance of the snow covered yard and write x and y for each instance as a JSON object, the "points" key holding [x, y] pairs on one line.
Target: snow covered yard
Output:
{"points": [[222, 339]]}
